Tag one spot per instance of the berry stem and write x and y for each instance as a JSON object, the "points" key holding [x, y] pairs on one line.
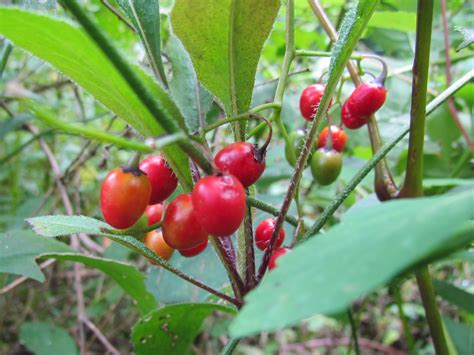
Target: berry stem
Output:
{"points": [[225, 250], [263, 206], [262, 151], [383, 75]]}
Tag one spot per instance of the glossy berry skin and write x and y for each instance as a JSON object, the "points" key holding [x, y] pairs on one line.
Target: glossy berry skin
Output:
{"points": [[276, 254], [219, 202], [195, 250], [154, 240], [154, 213], [162, 179], [181, 227], [309, 100], [240, 159], [326, 166], [338, 138], [297, 139], [350, 120], [366, 99], [264, 233], [124, 197]]}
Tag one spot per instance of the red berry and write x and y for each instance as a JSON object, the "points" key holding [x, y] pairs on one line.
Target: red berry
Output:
{"points": [[219, 202], [181, 228], [198, 249], [241, 160], [124, 196], [264, 233], [154, 213], [309, 100], [338, 136], [350, 120], [162, 179], [277, 253], [154, 241], [366, 99]]}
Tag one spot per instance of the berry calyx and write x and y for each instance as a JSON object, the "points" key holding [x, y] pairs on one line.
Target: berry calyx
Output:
{"points": [[275, 256], [366, 99], [338, 138], [264, 233], [310, 99], [198, 249], [124, 195], [296, 140], [326, 166], [219, 204], [242, 160], [350, 120], [154, 213], [162, 179], [154, 241], [181, 227]]}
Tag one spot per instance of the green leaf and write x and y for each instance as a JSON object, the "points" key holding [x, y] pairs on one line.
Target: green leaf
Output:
{"points": [[171, 330], [70, 50], [455, 295], [225, 39], [19, 250], [192, 98], [462, 335], [125, 275], [145, 17], [46, 339], [370, 247], [394, 20]]}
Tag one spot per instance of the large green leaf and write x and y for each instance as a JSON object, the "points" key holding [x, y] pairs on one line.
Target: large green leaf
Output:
{"points": [[394, 20], [225, 39], [370, 247], [462, 335], [145, 16], [46, 339], [19, 251], [192, 98], [69, 49], [171, 330]]}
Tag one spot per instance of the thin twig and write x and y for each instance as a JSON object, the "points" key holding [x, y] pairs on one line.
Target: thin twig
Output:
{"points": [[102, 338]]}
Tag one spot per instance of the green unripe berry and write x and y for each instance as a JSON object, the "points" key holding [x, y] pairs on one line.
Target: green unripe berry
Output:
{"points": [[326, 166], [297, 139]]}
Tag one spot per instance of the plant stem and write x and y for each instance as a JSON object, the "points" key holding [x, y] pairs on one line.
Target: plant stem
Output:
{"points": [[413, 184], [353, 331], [385, 187], [230, 346], [226, 253], [270, 209], [433, 317], [340, 197], [306, 53], [406, 327], [5, 54], [266, 106], [134, 82]]}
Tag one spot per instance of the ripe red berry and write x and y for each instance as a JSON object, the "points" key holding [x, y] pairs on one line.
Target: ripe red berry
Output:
{"points": [[264, 232], [154, 213], [326, 166], [350, 120], [338, 138], [198, 249], [124, 195], [242, 160], [219, 202], [154, 241], [366, 99], [276, 254], [309, 100], [181, 227], [162, 179]]}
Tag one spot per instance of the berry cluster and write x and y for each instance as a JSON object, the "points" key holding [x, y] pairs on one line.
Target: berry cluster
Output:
{"points": [[216, 206], [326, 160]]}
